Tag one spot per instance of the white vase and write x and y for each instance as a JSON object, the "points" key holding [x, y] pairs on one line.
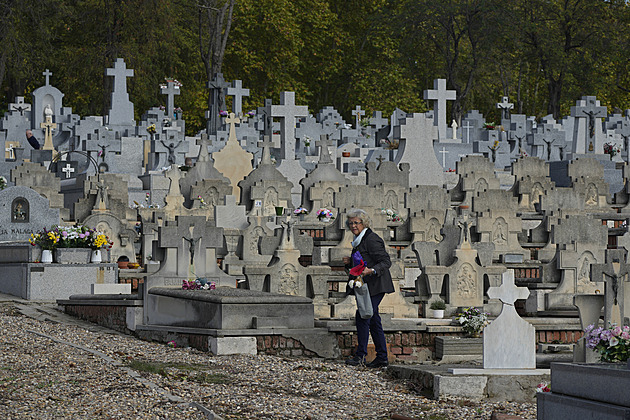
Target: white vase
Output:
{"points": [[47, 256], [438, 313], [96, 256]]}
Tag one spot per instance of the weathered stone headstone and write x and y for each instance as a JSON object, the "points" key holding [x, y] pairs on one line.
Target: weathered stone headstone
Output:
{"points": [[509, 342]]}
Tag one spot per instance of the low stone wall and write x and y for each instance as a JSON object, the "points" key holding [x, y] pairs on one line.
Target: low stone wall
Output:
{"points": [[114, 317], [403, 346]]}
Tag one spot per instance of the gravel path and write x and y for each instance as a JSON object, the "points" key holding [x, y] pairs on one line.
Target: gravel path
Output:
{"points": [[53, 370]]}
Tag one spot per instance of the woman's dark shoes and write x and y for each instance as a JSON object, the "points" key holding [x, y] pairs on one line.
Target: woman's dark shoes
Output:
{"points": [[377, 363], [356, 361]]}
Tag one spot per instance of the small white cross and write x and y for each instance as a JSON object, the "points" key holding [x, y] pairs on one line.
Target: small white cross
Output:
{"points": [[68, 170], [10, 150], [444, 152], [467, 127]]}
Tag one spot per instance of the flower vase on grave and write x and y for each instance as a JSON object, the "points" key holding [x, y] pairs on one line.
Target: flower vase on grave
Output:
{"points": [[96, 256], [47, 256], [73, 255], [279, 211]]}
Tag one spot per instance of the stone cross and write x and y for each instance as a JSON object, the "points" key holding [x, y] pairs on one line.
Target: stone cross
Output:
{"points": [[47, 74], [440, 94], [509, 342], [20, 106], [357, 112], [444, 152], [68, 170], [378, 121], [170, 90], [203, 144], [48, 126], [288, 111], [324, 154], [121, 111], [232, 120], [238, 92], [467, 127], [587, 108], [266, 144], [615, 276], [505, 107], [216, 86], [508, 292], [9, 150]]}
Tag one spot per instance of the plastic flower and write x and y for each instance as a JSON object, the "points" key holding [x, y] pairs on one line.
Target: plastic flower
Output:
{"points": [[300, 210], [172, 344], [325, 214]]}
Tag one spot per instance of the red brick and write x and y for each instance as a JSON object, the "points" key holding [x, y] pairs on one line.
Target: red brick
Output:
{"points": [[397, 339], [274, 340], [407, 350], [267, 342], [412, 338], [348, 340], [396, 350], [556, 335], [355, 340], [563, 336], [389, 338], [282, 343], [404, 339], [340, 341]]}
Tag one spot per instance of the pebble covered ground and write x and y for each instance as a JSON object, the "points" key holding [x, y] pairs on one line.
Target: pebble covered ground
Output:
{"points": [[52, 370]]}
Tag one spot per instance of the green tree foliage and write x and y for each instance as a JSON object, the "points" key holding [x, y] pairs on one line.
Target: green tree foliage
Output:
{"points": [[380, 54]]}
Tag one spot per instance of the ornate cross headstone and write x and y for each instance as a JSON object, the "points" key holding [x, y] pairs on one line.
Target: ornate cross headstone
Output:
{"points": [[48, 126], [509, 342], [615, 276], [237, 91], [440, 94]]}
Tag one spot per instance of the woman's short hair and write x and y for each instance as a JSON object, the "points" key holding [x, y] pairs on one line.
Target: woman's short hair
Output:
{"points": [[359, 214]]}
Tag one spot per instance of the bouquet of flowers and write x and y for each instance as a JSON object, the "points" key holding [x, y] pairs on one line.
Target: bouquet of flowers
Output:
{"points": [[3, 183], [46, 239], [223, 113], [611, 149], [325, 214], [473, 320], [300, 210], [612, 343], [251, 114], [390, 144], [198, 284], [489, 126], [543, 387], [74, 236], [151, 129], [98, 240], [391, 215]]}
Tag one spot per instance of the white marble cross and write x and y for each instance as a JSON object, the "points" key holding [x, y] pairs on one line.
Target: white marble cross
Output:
{"points": [[68, 170], [508, 292], [440, 95], [237, 91]]}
